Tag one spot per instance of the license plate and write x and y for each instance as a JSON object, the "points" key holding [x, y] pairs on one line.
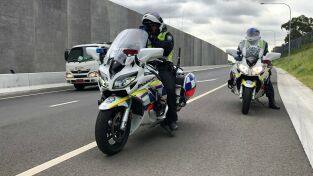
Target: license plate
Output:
{"points": [[80, 80]]}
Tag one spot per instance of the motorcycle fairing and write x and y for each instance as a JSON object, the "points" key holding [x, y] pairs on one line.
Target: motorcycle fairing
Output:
{"points": [[113, 101], [145, 97], [248, 83]]}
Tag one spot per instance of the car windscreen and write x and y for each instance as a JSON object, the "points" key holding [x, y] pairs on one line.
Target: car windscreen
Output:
{"points": [[78, 54]]}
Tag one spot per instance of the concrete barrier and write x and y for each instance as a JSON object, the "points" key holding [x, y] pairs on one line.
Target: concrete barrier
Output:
{"points": [[31, 81], [34, 34], [11, 83]]}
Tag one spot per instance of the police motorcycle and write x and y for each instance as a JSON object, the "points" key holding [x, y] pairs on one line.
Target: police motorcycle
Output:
{"points": [[132, 94], [250, 74]]}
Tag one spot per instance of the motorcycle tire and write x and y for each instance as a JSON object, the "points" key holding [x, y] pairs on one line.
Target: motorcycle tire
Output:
{"points": [[246, 99], [104, 128]]}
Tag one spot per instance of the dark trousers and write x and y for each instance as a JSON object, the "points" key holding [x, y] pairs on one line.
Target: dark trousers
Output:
{"points": [[269, 90], [168, 79]]}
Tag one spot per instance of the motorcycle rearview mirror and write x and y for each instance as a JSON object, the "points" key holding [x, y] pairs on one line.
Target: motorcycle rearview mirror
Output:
{"points": [[66, 54], [92, 51], [232, 52], [231, 60], [272, 56], [149, 54]]}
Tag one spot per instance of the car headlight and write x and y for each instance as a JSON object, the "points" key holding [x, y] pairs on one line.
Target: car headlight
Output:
{"points": [[256, 70], [124, 80], [103, 80], [244, 69], [69, 75], [92, 74]]}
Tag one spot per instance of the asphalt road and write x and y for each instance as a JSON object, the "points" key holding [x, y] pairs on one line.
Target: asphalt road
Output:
{"points": [[214, 138]]}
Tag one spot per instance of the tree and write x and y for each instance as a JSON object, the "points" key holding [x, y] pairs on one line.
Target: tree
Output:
{"points": [[299, 27]]}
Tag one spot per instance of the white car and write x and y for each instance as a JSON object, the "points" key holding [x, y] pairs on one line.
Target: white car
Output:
{"points": [[82, 69]]}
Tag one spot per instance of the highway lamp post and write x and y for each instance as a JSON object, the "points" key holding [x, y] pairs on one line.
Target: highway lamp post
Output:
{"points": [[262, 3]]}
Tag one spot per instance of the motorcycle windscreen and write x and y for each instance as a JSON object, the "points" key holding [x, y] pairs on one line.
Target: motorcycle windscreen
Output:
{"points": [[190, 85], [251, 61], [127, 43], [252, 55]]}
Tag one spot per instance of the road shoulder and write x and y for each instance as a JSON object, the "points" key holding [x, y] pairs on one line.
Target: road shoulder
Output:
{"points": [[298, 100]]}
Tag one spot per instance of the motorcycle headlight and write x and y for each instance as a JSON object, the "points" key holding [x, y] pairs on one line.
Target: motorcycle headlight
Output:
{"points": [[92, 74], [244, 69], [256, 70], [69, 75], [103, 80], [124, 80]]}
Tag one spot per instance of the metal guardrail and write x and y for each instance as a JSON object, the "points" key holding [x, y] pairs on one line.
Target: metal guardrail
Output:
{"points": [[295, 44]]}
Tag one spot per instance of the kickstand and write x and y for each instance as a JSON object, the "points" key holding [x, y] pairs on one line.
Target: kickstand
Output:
{"points": [[257, 100]]}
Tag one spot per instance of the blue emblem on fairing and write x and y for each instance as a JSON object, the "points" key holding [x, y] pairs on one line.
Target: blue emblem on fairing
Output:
{"points": [[110, 99], [151, 97]]}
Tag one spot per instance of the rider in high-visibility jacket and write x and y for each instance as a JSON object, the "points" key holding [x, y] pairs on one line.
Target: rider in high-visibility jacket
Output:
{"points": [[159, 37], [253, 38]]}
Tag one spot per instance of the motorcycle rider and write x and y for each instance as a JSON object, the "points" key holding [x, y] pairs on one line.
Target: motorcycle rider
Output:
{"points": [[159, 37], [253, 38]]}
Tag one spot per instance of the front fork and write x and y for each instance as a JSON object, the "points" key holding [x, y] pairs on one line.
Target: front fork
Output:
{"points": [[126, 116], [249, 84], [110, 102]]}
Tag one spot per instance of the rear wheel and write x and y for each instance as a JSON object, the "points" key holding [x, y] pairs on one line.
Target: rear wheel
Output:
{"points": [[79, 86], [246, 99], [109, 137]]}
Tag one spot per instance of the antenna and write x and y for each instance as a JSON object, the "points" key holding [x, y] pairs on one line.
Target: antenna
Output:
{"points": [[178, 59]]}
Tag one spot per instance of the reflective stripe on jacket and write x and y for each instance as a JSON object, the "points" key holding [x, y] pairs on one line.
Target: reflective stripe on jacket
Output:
{"points": [[161, 37]]}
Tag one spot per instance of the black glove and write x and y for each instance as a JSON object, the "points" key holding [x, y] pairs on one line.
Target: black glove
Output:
{"points": [[142, 27], [153, 39], [238, 58]]}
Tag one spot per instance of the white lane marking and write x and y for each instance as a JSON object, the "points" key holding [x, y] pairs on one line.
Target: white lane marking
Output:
{"points": [[60, 159], [208, 68], [75, 101], [19, 96], [206, 80], [206, 93]]}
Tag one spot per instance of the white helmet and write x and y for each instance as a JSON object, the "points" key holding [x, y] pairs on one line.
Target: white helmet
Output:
{"points": [[253, 35], [153, 17]]}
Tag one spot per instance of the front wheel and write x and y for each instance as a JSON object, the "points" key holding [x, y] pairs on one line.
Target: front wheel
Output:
{"points": [[246, 99], [109, 137]]}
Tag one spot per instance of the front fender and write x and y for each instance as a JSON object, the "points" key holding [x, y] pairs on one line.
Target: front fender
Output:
{"points": [[113, 101], [248, 83]]}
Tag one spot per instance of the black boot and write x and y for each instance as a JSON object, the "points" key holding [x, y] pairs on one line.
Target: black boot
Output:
{"points": [[270, 95], [173, 126], [230, 84], [167, 128], [272, 103]]}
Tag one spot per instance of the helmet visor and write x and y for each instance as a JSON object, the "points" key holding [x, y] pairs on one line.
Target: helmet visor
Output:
{"points": [[253, 33]]}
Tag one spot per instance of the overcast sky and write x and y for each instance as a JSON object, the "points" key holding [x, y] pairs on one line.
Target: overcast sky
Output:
{"points": [[224, 22]]}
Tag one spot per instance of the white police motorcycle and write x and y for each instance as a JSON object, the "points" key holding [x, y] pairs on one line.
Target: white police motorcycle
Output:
{"points": [[250, 74], [132, 94]]}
